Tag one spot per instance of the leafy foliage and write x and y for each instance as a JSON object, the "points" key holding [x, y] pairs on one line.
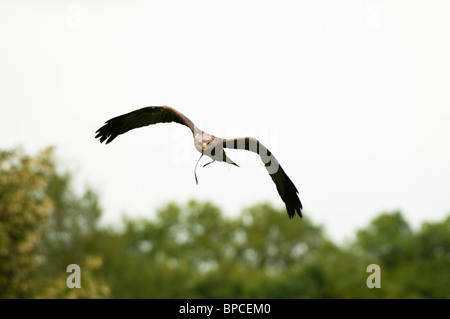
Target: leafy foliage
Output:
{"points": [[193, 250], [24, 205], [44, 227]]}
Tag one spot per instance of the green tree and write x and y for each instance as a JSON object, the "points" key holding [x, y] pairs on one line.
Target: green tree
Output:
{"points": [[387, 239], [429, 268], [202, 254], [24, 206], [192, 250], [44, 227], [70, 226], [414, 264]]}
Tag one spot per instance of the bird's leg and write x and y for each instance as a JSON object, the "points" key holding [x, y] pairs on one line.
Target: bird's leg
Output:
{"points": [[195, 169], [209, 163]]}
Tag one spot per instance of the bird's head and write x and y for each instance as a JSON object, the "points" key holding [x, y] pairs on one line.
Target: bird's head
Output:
{"points": [[204, 142]]}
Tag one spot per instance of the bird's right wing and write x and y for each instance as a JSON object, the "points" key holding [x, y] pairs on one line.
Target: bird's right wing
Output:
{"points": [[139, 118], [285, 187]]}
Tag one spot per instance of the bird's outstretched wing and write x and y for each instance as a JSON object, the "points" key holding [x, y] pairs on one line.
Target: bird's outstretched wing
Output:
{"points": [[138, 118], [287, 190]]}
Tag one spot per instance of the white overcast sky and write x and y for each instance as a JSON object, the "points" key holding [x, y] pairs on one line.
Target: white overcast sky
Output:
{"points": [[352, 97]]}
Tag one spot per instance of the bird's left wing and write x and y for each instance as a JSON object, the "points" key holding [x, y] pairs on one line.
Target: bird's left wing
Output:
{"points": [[139, 118], [285, 187]]}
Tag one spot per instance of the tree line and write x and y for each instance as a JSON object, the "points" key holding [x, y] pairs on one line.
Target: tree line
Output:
{"points": [[193, 250]]}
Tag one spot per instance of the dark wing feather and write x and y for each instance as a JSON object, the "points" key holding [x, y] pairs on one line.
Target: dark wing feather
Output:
{"points": [[286, 188], [139, 118]]}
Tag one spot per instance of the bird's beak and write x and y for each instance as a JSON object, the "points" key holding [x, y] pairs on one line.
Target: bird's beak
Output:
{"points": [[203, 146]]}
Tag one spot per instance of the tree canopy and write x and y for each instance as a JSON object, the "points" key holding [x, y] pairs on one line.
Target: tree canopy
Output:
{"points": [[193, 250]]}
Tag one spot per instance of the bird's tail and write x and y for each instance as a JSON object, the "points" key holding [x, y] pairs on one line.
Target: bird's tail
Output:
{"points": [[228, 160]]}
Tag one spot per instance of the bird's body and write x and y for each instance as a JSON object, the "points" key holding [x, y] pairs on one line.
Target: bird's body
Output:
{"points": [[206, 144], [211, 146]]}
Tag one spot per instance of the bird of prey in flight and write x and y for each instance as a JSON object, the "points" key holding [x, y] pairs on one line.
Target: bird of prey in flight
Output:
{"points": [[206, 144]]}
